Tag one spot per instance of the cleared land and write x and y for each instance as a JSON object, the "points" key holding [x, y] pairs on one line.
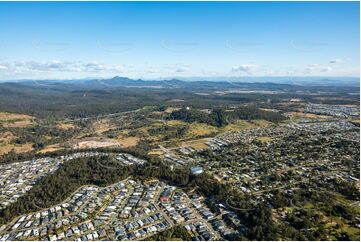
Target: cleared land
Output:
{"points": [[4, 149], [66, 126], [93, 142], [50, 148], [6, 146], [126, 142], [15, 120]]}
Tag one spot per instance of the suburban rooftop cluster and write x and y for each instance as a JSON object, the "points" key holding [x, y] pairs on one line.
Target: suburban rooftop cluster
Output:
{"points": [[127, 210], [334, 110]]}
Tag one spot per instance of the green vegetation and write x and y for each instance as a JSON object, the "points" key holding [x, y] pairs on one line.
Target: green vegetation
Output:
{"points": [[312, 215], [168, 132], [191, 116], [220, 118], [175, 233], [57, 186]]}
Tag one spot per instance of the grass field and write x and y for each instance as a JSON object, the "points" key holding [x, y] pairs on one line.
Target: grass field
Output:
{"points": [[126, 142], [336, 226], [175, 123], [240, 125], [156, 152], [195, 131], [355, 120], [102, 126], [197, 144], [294, 116], [265, 139], [171, 110], [6, 148], [15, 120], [50, 148], [199, 129], [6, 144], [66, 126]]}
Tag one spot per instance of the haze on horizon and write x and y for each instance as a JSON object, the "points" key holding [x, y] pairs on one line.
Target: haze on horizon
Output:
{"points": [[70, 40]]}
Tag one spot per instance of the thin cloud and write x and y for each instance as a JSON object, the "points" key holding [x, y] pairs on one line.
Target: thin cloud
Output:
{"points": [[326, 69], [62, 66], [334, 61], [247, 68]]}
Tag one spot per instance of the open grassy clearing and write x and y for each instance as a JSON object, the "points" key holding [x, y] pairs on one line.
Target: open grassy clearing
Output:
{"points": [[171, 110], [102, 126], [196, 131], [197, 144], [15, 120], [295, 116], [93, 142], [66, 126], [126, 142], [6, 137], [265, 139], [50, 148], [175, 122], [4, 149], [157, 152], [355, 120], [6, 146], [240, 125], [199, 129], [337, 225]]}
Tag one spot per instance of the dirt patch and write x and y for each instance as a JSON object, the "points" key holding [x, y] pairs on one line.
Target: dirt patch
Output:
{"points": [[6, 137], [50, 148], [126, 142], [102, 126], [157, 152], [93, 142], [171, 110], [4, 149], [15, 119], [6, 146], [176, 100], [66, 126]]}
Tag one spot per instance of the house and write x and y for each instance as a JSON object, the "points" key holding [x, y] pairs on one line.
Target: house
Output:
{"points": [[196, 170]]}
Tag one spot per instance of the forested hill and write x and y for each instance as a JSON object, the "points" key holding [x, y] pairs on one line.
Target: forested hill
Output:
{"points": [[84, 98], [117, 82], [220, 117]]}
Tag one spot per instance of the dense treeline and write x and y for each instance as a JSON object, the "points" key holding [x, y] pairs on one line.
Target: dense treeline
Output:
{"points": [[191, 116]]}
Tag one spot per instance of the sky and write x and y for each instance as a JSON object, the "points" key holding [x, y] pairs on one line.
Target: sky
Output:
{"points": [[153, 40]]}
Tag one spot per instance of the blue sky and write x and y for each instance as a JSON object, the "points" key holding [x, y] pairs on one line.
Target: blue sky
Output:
{"points": [[178, 39]]}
